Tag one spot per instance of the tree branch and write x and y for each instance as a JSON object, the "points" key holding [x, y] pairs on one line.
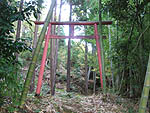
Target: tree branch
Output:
{"points": [[140, 37]]}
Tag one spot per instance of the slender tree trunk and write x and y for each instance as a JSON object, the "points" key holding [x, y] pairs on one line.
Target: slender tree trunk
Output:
{"points": [[118, 64], [86, 68], [112, 73], [19, 21], [101, 46], [53, 57], [58, 33], [94, 83], [146, 88], [94, 73], [69, 52], [121, 80], [35, 56], [54, 53], [32, 86], [88, 74], [19, 25], [52, 76], [131, 89], [36, 33], [68, 65]]}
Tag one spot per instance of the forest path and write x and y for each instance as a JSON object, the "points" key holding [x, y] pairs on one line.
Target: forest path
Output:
{"points": [[64, 102], [75, 102]]}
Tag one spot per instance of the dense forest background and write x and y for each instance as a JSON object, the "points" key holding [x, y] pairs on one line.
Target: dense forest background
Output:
{"points": [[126, 47]]}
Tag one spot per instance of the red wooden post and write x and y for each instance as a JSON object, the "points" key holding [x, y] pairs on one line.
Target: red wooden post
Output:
{"points": [[43, 61], [98, 53]]}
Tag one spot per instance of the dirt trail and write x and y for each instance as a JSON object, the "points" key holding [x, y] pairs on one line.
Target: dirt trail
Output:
{"points": [[64, 102]]}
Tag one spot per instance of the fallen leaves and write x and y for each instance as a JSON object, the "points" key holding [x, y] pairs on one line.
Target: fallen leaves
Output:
{"points": [[75, 103]]}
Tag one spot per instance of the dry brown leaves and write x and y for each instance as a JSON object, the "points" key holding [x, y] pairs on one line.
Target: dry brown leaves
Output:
{"points": [[64, 102]]}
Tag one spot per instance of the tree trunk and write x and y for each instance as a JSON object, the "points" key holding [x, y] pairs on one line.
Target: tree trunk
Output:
{"points": [[94, 73], [35, 55], [36, 33], [53, 57], [52, 76], [86, 68], [69, 52], [58, 33], [19, 21], [112, 73], [146, 88], [19, 25], [101, 46], [117, 79], [131, 89]]}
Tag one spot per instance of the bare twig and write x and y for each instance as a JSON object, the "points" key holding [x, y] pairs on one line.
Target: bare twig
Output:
{"points": [[140, 37]]}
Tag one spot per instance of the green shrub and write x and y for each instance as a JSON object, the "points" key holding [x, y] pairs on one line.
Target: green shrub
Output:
{"points": [[10, 82]]}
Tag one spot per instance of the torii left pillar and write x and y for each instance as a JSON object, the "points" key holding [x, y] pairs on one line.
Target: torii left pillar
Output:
{"points": [[43, 61]]}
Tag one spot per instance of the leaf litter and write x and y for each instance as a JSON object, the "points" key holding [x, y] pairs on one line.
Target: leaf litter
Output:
{"points": [[70, 102]]}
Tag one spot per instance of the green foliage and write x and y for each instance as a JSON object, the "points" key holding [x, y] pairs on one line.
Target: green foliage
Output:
{"points": [[10, 80], [7, 22], [129, 40], [77, 57], [130, 47], [8, 47], [62, 78]]}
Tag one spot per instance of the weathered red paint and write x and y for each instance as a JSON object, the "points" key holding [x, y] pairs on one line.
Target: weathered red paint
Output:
{"points": [[43, 61], [98, 54], [74, 23]]}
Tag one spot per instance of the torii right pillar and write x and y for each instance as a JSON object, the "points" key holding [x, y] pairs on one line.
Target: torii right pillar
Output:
{"points": [[98, 53]]}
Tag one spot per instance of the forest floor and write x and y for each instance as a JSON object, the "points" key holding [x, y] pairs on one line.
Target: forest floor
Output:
{"points": [[74, 101], [64, 102]]}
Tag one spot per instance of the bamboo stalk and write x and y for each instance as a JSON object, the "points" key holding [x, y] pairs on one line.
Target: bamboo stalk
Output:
{"points": [[32, 85], [101, 46], [145, 92], [35, 55]]}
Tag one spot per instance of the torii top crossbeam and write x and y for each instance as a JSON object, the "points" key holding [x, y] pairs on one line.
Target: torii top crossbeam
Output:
{"points": [[75, 23], [72, 24]]}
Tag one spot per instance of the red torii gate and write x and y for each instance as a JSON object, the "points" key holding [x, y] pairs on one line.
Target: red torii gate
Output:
{"points": [[51, 36]]}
